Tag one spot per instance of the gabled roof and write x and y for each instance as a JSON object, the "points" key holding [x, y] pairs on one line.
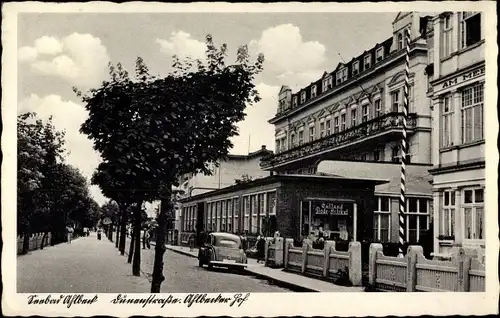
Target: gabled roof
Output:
{"points": [[340, 65], [284, 88], [325, 74], [401, 15]]}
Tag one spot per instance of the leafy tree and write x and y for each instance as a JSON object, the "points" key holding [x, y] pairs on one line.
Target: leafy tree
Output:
{"points": [[150, 131]]}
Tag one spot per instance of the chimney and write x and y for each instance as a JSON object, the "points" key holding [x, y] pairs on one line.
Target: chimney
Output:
{"points": [[263, 147]]}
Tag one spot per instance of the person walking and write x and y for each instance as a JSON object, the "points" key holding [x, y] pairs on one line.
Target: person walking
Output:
{"points": [[69, 231], [99, 233], [145, 239], [261, 247]]}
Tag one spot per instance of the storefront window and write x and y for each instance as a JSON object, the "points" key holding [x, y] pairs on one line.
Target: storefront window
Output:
{"points": [[382, 220], [333, 219], [246, 211], [236, 212], [254, 226], [229, 215], [473, 207]]}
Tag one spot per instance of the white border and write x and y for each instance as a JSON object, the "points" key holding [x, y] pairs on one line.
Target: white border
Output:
{"points": [[264, 304]]}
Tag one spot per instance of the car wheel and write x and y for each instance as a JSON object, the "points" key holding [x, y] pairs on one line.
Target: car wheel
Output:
{"points": [[210, 266]]}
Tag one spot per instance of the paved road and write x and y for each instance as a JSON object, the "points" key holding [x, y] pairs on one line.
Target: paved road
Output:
{"points": [[87, 265], [182, 275]]}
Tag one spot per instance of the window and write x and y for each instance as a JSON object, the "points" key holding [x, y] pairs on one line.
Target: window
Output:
{"points": [[447, 216], [328, 126], [229, 215], [378, 108], [367, 61], [327, 83], [364, 110], [313, 91], [417, 219], [342, 75], [343, 122], [379, 54], [400, 41], [470, 26], [321, 129], [472, 113], [271, 203], [282, 105], [262, 211], [311, 133], [223, 215], [253, 200], [473, 207], [395, 101], [447, 37], [294, 101], [355, 67], [447, 126], [376, 155], [395, 154], [236, 213], [382, 220], [292, 140], [353, 117], [246, 211], [302, 97], [336, 124], [301, 137], [278, 145]]}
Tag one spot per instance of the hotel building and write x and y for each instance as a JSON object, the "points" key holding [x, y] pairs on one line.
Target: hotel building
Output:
{"points": [[353, 115], [456, 86]]}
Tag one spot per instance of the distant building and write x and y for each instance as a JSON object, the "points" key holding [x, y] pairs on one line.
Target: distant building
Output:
{"points": [[354, 113], [230, 169], [456, 85]]}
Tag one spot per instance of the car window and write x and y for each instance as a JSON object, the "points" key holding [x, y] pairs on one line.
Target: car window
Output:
{"points": [[227, 242]]}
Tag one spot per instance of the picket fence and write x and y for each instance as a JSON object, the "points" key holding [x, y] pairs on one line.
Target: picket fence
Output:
{"points": [[412, 273], [327, 263], [35, 242]]}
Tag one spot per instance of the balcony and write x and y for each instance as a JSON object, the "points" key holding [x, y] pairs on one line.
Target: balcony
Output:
{"points": [[389, 122]]}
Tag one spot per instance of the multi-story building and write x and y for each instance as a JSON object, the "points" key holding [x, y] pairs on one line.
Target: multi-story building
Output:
{"points": [[456, 85], [230, 170], [354, 113]]}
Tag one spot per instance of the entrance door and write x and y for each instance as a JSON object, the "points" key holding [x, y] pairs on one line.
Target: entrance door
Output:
{"points": [[200, 217]]}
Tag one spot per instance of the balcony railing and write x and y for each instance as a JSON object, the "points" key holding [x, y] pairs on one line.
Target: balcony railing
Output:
{"points": [[369, 128]]}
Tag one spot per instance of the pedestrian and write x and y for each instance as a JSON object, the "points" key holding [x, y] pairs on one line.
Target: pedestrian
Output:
{"points": [[69, 231], [145, 239], [99, 234], [261, 247]]}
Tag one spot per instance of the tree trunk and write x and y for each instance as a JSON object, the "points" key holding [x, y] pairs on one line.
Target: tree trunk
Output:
{"points": [[131, 248], [136, 264], [110, 232], [26, 242], [158, 277], [123, 230], [120, 217]]}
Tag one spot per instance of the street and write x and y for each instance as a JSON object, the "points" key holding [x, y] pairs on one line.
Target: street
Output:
{"points": [[88, 265], [182, 275]]}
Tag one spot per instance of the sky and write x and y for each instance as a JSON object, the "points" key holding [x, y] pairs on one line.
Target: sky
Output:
{"points": [[57, 51]]}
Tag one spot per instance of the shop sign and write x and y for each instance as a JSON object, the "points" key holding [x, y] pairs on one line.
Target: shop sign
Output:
{"points": [[331, 208], [464, 78]]}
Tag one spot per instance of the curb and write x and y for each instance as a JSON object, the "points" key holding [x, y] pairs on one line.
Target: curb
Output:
{"points": [[176, 251]]}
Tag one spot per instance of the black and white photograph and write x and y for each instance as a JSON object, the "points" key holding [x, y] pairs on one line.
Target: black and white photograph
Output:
{"points": [[249, 159]]}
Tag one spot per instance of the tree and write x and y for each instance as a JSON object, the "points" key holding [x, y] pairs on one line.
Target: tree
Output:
{"points": [[152, 130]]}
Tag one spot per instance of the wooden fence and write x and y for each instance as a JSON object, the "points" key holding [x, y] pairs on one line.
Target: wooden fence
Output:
{"points": [[274, 251], [462, 273], [35, 242], [327, 263]]}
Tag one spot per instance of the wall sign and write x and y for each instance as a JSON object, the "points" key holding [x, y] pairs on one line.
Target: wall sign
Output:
{"points": [[331, 208], [463, 78]]}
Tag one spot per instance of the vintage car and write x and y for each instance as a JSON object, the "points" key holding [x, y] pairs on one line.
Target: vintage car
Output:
{"points": [[222, 250]]}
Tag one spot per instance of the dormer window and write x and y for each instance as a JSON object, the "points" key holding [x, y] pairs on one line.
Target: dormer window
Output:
{"points": [[302, 97], [294, 101], [282, 105], [400, 41], [368, 61], [327, 83], [313, 91], [355, 67], [342, 75], [379, 54]]}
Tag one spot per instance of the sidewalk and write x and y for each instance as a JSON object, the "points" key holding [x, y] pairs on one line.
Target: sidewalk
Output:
{"points": [[87, 265], [278, 276]]}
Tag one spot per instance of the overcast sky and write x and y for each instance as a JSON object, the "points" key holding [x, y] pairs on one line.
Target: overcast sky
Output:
{"points": [[59, 50]]}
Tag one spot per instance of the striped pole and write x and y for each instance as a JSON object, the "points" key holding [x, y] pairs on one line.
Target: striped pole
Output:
{"points": [[402, 199]]}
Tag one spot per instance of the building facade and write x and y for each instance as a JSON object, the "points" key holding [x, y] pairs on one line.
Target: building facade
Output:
{"points": [[456, 86], [355, 114], [232, 169]]}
